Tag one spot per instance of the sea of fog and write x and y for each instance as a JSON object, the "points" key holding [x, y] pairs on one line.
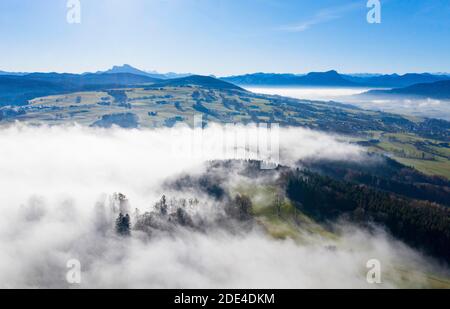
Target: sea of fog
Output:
{"points": [[313, 93], [423, 107], [58, 183]]}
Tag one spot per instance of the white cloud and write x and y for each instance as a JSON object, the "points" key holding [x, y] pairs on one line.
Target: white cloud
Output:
{"points": [[322, 16]]}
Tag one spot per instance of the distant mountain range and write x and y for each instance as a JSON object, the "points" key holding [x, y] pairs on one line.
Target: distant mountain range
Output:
{"points": [[330, 78], [126, 68], [334, 79], [12, 73], [436, 90]]}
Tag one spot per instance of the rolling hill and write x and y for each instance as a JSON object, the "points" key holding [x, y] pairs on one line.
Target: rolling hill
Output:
{"points": [[198, 80], [92, 79], [18, 90]]}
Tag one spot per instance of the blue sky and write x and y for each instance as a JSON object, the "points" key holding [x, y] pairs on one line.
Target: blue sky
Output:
{"points": [[224, 37]]}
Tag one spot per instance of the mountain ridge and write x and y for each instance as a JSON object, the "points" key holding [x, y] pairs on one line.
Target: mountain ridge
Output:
{"points": [[436, 90], [330, 78], [126, 68], [335, 79]]}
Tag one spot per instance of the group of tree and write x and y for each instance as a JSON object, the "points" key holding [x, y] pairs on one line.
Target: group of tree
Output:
{"points": [[387, 175], [123, 225], [422, 224]]}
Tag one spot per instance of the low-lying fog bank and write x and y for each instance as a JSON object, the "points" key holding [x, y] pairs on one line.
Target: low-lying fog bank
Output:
{"points": [[309, 93], [58, 204], [421, 107]]}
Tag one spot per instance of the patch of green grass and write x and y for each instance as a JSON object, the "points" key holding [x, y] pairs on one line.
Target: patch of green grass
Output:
{"points": [[439, 167], [409, 278], [426, 155], [280, 218]]}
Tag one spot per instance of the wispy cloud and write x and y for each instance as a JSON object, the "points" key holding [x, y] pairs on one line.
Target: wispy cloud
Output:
{"points": [[322, 16]]}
